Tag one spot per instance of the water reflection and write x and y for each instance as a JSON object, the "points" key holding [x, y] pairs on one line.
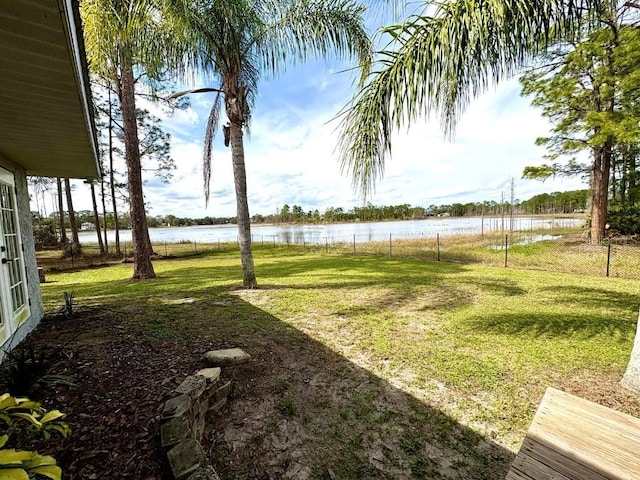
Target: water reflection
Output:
{"points": [[349, 232]]}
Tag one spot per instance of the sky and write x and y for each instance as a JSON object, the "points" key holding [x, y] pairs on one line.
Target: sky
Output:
{"points": [[291, 154]]}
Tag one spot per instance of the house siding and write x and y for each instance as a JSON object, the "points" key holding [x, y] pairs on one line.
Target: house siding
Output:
{"points": [[28, 242]]}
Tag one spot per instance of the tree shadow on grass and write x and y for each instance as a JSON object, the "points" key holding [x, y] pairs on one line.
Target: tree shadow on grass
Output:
{"points": [[298, 409], [560, 326], [497, 286], [302, 410], [597, 296]]}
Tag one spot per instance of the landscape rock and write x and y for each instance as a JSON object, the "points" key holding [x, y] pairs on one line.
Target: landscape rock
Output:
{"points": [[186, 458], [212, 375], [204, 473], [227, 357], [176, 406], [216, 407], [174, 431], [193, 386], [198, 427], [223, 391]]}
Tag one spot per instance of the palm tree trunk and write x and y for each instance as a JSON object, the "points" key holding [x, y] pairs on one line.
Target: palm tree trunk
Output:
{"points": [[244, 224], [63, 232], [96, 218], [142, 266]]}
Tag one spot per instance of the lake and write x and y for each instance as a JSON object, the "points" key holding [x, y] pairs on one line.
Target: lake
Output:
{"points": [[345, 232]]}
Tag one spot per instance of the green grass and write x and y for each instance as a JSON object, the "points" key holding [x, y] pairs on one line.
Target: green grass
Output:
{"points": [[477, 343]]}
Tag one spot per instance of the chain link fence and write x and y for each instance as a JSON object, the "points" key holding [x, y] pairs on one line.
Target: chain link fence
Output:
{"points": [[551, 250], [570, 253], [555, 251]]}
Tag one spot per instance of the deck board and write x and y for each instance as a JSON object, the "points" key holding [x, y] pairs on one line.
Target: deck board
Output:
{"points": [[574, 439]]}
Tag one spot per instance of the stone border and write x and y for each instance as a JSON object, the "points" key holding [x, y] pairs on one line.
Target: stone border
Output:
{"points": [[184, 415]]}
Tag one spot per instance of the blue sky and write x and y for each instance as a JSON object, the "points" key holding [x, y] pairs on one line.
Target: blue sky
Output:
{"points": [[291, 157]]}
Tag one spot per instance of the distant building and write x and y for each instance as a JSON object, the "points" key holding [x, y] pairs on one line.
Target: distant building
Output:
{"points": [[87, 226]]}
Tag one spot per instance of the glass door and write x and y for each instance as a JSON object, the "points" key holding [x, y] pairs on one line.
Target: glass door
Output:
{"points": [[14, 305]]}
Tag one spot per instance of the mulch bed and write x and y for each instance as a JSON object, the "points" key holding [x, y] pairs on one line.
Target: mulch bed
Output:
{"points": [[122, 381]]}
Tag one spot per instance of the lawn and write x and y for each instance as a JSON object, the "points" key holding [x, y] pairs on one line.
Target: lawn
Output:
{"points": [[363, 367]]}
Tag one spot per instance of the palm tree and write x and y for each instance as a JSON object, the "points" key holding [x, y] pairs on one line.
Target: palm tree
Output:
{"points": [[237, 41], [442, 59], [122, 36]]}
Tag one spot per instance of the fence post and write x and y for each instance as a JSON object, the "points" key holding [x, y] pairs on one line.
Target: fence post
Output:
{"points": [[506, 248], [438, 245], [354, 243], [195, 246], [608, 254], [165, 248], [326, 244], [390, 251]]}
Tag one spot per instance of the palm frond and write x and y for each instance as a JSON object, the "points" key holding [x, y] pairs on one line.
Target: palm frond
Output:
{"points": [[209, 136], [193, 90], [440, 62], [135, 26], [300, 29]]}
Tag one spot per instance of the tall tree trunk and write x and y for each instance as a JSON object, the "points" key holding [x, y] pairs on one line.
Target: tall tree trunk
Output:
{"points": [[244, 224], [112, 183], [72, 215], [104, 214], [63, 231], [75, 240], [600, 191], [142, 266], [623, 182], [632, 176], [96, 218], [601, 170]]}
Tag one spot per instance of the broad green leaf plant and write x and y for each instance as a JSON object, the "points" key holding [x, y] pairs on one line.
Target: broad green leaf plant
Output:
{"points": [[24, 413]]}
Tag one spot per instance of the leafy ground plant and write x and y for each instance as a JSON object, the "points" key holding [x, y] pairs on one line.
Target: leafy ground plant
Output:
{"points": [[22, 414], [68, 309]]}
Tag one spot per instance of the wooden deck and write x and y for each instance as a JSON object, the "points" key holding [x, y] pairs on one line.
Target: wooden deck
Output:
{"points": [[574, 439]]}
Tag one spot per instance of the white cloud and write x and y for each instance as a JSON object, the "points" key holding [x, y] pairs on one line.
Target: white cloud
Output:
{"points": [[290, 155]]}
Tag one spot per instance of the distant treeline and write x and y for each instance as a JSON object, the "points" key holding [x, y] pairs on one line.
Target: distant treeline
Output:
{"points": [[545, 203]]}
